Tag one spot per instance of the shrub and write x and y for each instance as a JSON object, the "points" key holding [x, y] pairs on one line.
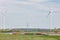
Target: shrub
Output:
{"points": [[28, 33]]}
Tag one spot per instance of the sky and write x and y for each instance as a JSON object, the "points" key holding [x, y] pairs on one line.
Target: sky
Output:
{"points": [[19, 13]]}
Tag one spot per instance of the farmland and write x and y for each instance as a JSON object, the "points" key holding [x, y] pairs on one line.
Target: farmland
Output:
{"points": [[31, 34], [27, 37]]}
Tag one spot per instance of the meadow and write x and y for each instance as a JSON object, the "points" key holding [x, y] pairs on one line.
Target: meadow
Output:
{"points": [[27, 37]]}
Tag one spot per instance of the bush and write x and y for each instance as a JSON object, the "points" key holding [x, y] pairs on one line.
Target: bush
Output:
{"points": [[38, 33], [28, 33]]}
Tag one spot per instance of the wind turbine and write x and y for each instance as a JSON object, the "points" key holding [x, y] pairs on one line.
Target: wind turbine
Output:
{"points": [[48, 15], [27, 27], [50, 12], [3, 18]]}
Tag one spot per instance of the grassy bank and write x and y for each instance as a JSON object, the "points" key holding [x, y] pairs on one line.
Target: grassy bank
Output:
{"points": [[27, 37]]}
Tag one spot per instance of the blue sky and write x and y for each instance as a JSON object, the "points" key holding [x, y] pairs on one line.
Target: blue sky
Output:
{"points": [[19, 13]]}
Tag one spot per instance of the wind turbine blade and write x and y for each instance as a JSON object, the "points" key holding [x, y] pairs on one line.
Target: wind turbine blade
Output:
{"points": [[49, 13]]}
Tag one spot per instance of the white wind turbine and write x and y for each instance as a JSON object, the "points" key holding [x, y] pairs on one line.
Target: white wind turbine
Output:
{"points": [[3, 18], [49, 16], [50, 12]]}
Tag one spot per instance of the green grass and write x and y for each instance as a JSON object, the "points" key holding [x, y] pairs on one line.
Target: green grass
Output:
{"points": [[27, 37]]}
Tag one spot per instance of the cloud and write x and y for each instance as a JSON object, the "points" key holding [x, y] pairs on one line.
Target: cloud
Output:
{"points": [[40, 4], [43, 5], [37, 0], [36, 10], [4, 1], [31, 3]]}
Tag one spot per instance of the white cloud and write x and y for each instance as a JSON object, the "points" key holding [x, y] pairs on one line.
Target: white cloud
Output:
{"points": [[2, 1], [23, 7], [37, 0], [32, 3]]}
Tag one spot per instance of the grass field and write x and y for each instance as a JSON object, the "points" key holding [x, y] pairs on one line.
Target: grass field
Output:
{"points": [[27, 37]]}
